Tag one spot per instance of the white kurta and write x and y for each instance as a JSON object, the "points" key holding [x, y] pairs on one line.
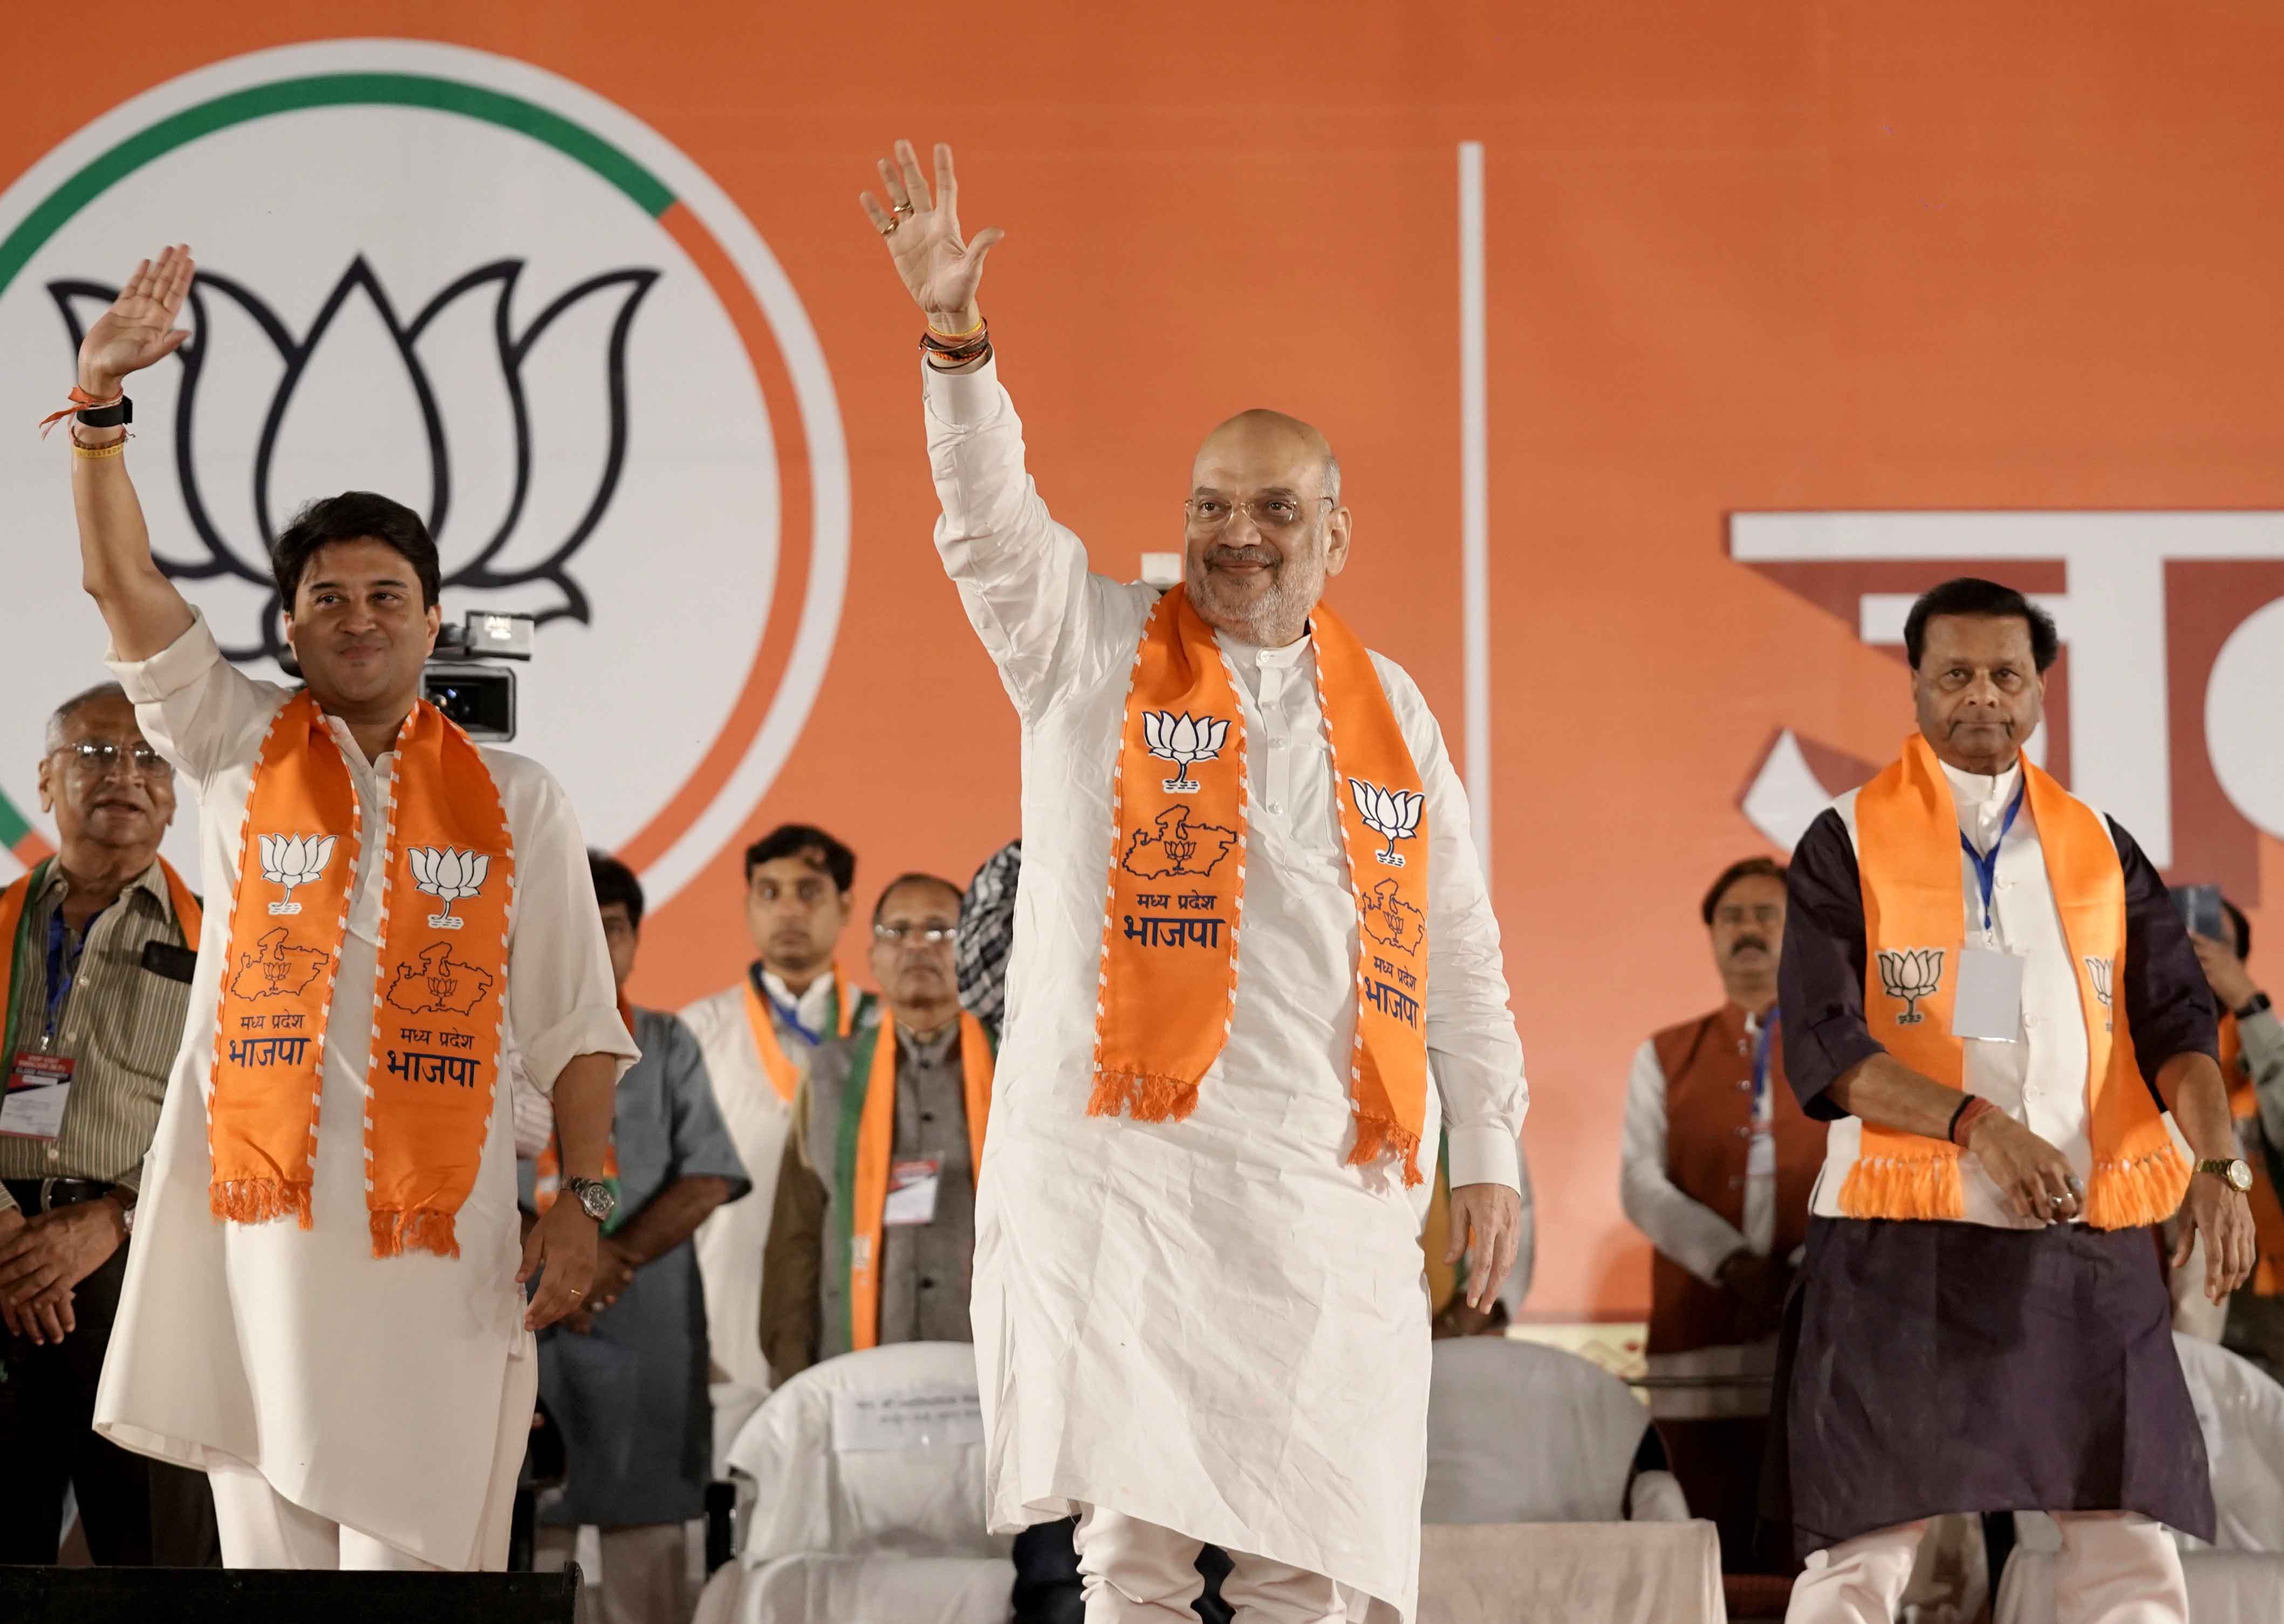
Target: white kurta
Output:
{"points": [[1215, 1326], [367, 1390], [731, 1241]]}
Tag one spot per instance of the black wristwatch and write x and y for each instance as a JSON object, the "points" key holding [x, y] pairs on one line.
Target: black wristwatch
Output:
{"points": [[119, 414], [2257, 1004]]}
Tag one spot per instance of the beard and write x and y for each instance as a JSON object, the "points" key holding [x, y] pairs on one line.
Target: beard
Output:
{"points": [[1268, 617]]}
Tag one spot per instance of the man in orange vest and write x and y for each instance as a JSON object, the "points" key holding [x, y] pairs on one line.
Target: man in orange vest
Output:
{"points": [[1719, 1161], [1988, 994]]}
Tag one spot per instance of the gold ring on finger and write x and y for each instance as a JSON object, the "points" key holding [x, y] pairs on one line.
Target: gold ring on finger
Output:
{"points": [[902, 210], [889, 229]]}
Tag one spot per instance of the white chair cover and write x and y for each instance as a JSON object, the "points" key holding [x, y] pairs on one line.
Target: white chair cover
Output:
{"points": [[1572, 1573], [829, 1589], [1518, 1432], [874, 1453]]}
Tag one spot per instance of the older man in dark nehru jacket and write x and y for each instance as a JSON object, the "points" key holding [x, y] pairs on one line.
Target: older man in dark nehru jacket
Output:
{"points": [[1987, 992]]}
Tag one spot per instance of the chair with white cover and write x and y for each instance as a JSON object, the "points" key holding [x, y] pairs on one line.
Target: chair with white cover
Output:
{"points": [[869, 1498], [1535, 1507], [2239, 1578]]}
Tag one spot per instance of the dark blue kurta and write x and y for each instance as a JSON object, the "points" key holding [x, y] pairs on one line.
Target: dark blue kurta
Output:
{"points": [[630, 1397]]}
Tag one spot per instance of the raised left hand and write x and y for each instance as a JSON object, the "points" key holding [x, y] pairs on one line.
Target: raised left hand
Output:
{"points": [[2216, 1210], [561, 1250], [54, 1251], [1487, 1227]]}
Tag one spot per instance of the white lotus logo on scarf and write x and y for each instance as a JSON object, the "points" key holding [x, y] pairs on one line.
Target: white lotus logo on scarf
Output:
{"points": [[1911, 975], [449, 874], [1184, 740], [2100, 971], [291, 860], [1392, 815]]}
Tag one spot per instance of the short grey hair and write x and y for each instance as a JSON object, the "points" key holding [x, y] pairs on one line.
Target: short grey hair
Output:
{"points": [[72, 707]]}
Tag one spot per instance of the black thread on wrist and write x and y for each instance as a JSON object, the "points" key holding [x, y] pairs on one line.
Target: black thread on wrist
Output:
{"points": [[1952, 1133]]}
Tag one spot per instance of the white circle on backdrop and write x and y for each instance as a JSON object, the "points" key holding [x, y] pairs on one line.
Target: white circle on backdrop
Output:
{"points": [[2244, 719], [386, 206]]}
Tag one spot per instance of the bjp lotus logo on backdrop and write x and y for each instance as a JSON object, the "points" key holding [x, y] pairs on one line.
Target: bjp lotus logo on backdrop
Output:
{"points": [[486, 291]]}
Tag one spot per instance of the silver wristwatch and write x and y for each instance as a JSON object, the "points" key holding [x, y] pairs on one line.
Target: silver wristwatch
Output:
{"points": [[595, 1198]]}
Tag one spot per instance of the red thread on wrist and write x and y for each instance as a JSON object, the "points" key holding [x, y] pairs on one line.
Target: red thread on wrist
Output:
{"points": [[80, 398], [1975, 1109]]}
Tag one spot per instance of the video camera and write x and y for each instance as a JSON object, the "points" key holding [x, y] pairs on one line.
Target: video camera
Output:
{"points": [[463, 680]]}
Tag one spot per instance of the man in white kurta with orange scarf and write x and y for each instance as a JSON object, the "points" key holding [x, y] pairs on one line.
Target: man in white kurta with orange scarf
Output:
{"points": [[1255, 975], [324, 1307]]}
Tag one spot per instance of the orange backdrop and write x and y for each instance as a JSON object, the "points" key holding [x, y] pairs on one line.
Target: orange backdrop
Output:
{"points": [[1821, 256]]}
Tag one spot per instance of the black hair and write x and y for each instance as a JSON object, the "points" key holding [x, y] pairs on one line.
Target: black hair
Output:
{"points": [[2244, 927], [799, 841], [615, 882], [1971, 595], [1744, 868], [353, 516], [917, 879]]}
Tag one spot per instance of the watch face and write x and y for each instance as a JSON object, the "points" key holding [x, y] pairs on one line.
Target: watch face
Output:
{"points": [[596, 1200], [2240, 1174]]}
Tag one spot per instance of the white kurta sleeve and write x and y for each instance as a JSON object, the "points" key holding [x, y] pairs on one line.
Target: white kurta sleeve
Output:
{"points": [[1471, 1044], [1681, 1227], [197, 709], [561, 1000], [1022, 578]]}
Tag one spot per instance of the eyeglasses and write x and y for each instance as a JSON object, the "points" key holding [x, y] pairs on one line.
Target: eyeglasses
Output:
{"points": [[96, 757], [934, 935], [1271, 515]]}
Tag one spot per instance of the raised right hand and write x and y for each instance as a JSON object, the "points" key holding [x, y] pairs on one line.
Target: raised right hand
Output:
{"points": [[940, 272], [2034, 1176], [139, 330]]}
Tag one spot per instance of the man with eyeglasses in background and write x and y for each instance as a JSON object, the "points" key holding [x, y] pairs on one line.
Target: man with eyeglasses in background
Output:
{"points": [[96, 945], [887, 1255]]}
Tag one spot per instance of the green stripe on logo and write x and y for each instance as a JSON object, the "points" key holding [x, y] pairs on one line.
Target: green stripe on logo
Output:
{"points": [[648, 192]]}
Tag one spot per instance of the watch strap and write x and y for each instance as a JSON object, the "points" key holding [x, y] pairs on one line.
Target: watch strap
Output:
{"points": [[2257, 1004], [119, 414]]}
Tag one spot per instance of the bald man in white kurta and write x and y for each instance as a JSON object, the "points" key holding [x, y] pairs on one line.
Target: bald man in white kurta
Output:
{"points": [[1213, 1326]]}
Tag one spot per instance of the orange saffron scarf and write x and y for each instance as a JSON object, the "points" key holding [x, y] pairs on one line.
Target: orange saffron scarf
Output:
{"points": [[15, 924], [2267, 1210], [1177, 890], [436, 1005], [785, 1076], [1914, 925], [866, 1142]]}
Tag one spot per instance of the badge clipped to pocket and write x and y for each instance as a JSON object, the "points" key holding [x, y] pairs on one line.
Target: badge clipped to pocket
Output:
{"points": [[39, 1086], [1990, 1002], [913, 1186]]}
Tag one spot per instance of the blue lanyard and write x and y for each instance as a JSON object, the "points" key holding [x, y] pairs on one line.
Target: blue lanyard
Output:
{"points": [[63, 971], [1761, 1061], [1986, 867]]}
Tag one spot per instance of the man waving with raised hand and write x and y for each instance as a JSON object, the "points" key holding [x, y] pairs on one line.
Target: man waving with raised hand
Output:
{"points": [[1255, 977], [323, 1307]]}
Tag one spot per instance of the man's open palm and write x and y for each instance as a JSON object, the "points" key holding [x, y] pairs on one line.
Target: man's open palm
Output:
{"points": [[139, 330], [922, 231]]}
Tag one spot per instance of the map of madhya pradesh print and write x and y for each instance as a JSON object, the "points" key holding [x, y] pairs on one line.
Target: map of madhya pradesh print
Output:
{"points": [[1175, 846], [439, 984], [274, 969], [1391, 921]]}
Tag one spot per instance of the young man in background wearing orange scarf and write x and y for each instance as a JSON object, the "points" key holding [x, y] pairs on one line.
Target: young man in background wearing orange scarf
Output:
{"points": [[1251, 910], [323, 1308], [1988, 994]]}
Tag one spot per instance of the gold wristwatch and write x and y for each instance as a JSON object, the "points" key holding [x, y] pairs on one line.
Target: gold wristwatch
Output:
{"points": [[2237, 1171]]}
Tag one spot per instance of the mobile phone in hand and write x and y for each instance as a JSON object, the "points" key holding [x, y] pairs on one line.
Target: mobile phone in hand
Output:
{"points": [[2199, 907]]}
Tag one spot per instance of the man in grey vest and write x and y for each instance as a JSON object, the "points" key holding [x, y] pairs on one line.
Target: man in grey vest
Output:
{"points": [[872, 1237]]}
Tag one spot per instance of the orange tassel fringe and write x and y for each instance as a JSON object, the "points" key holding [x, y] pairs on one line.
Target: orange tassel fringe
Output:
{"points": [[1375, 1135], [2129, 1195], [258, 1200], [424, 1229], [1905, 1187], [1144, 1098]]}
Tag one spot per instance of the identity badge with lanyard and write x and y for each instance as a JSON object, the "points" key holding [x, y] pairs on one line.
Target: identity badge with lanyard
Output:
{"points": [[1990, 1002], [1761, 1160], [39, 1079]]}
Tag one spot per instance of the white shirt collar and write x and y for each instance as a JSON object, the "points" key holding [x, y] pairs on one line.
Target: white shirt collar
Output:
{"points": [[1244, 653], [1981, 798], [812, 1006]]}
